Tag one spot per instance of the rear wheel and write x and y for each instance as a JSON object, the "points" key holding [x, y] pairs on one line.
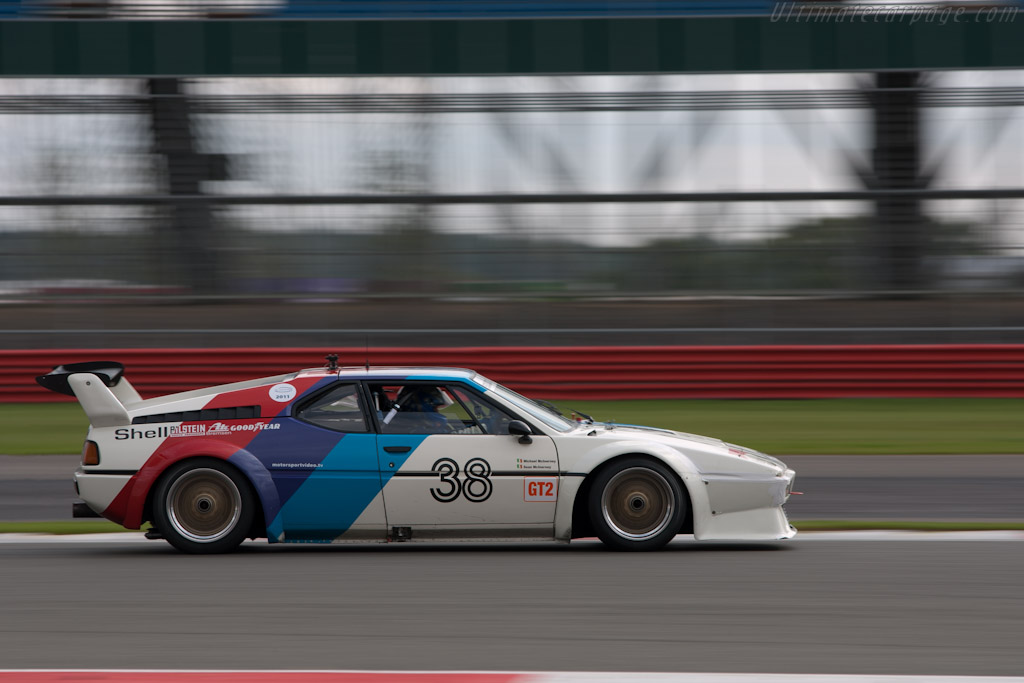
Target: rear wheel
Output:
{"points": [[637, 504], [203, 506]]}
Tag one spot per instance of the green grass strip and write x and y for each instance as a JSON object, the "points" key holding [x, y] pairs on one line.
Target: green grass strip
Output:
{"points": [[897, 426], [41, 428]]}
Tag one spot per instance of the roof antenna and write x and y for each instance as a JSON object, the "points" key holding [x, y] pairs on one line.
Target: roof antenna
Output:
{"points": [[332, 362], [367, 353]]}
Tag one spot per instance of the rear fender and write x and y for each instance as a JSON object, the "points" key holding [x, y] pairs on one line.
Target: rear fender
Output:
{"points": [[129, 506]]}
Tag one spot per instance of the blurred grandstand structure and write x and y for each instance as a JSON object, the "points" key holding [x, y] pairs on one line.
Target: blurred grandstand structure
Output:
{"points": [[155, 157]]}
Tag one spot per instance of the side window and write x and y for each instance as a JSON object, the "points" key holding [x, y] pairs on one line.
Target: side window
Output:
{"points": [[460, 420], [490, 418], [339, 409], [426, 408], [420, 408]]}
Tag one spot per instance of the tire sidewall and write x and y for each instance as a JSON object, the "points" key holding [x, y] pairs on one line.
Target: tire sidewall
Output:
{"points": [[222, 545], [608, 535]]}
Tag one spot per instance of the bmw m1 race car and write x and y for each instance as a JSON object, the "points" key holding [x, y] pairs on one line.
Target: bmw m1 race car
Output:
{"points": [[331, 455]]}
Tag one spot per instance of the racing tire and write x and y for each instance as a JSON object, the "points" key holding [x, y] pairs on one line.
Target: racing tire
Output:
{"points": [[203, 506], [637, 504]]}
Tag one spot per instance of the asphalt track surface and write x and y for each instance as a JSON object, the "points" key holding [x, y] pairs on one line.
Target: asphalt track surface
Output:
{"points": [[948, 487], [803, 606]]}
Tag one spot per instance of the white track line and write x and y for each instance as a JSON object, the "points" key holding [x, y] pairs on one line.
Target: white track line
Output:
{"points": [[344, 676], [759, 678], [895, 535], [115, 537]]}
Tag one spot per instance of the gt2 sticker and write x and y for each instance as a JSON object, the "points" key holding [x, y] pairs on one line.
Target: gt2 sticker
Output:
{"points": [[540, 490], [282, 393], [476, 487]]}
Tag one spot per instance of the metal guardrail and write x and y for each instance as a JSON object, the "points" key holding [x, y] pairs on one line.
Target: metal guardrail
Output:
{"points": [[509, 198], [377, 9], [519, 331], [452, 103]]}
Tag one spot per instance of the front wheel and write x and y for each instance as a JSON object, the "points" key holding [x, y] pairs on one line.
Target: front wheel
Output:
{"points": [[203, 506], [637, 504]]}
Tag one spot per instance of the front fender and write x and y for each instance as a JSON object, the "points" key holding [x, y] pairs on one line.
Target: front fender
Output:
{"points": [[680, 464], [127, 508], [613, 449]]}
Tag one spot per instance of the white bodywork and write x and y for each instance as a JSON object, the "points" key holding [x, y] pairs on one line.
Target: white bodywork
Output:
{"points": [[455, 486]]}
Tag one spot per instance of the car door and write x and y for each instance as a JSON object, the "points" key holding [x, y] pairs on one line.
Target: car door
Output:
{"points": [[450, 469], [326, 471]]}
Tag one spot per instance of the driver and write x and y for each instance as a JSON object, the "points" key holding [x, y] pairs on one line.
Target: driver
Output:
{"points": [[417, 412]]}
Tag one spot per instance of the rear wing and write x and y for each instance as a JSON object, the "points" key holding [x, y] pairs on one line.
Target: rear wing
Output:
{"points": [[100, 388]]}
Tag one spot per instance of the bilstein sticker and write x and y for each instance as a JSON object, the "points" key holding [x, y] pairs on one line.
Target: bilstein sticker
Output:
{"points": [[282, 393]]}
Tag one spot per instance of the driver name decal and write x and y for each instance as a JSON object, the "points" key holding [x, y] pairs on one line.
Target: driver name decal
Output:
{"points": [[536, 464]]}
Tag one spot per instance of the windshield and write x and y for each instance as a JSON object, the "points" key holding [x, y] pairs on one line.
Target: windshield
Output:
{"points": [[530, 406]]}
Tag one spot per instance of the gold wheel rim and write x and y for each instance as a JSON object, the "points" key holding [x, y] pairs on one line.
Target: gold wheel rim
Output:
{"points": [[638, 503], [204, 505]]}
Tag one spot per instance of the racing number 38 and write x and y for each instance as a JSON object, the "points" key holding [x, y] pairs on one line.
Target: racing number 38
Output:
{"points": [[476, 487]]}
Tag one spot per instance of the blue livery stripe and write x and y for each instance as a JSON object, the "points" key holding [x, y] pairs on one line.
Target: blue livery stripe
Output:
{"points": [[286, 451], [332, 497]]}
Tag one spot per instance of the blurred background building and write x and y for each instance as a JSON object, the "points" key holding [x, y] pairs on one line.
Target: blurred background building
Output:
{"points": [[471, 172]]}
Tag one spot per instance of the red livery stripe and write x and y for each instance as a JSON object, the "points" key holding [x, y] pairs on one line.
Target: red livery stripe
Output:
{"points": [[256, 677]]}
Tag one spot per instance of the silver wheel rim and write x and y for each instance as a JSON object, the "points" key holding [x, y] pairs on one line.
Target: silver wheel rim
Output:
{"points": [[638, 503], [203, 505]]}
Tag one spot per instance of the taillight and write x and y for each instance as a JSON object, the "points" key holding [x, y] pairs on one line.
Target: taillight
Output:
{"points": [[90, 453]]}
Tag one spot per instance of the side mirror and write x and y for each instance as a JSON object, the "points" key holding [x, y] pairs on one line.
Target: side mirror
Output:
{"points": [[520, 429]]}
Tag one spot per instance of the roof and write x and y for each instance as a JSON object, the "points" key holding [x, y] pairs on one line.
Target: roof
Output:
{"points": [[406, 372], [391, 372], [382, 372]]}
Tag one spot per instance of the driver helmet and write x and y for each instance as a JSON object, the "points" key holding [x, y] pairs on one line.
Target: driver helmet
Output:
{"points": [[422, 399]]}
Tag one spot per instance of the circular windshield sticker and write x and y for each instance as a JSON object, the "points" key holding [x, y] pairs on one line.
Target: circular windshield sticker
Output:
{"points": [[282, 393]]}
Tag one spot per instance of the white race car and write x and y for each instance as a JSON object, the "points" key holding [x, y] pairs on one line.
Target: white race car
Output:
{"points": [[333, 454]]}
